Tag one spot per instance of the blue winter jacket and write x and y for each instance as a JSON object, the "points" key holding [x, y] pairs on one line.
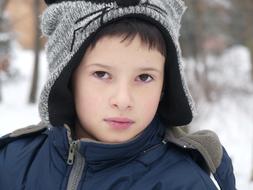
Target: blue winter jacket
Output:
{"points": [[46, 158]]}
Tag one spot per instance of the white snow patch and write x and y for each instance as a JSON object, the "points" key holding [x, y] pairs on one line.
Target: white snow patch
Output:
{"points": [[15, 112]]}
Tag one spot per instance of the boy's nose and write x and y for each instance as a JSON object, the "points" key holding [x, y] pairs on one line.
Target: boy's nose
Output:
{"points": [[122, 98]]}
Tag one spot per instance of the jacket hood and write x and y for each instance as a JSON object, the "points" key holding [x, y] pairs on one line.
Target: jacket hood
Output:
{"points": [[70, 26]]}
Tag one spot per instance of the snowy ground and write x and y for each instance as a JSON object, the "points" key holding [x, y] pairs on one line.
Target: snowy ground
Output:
{"points": [[15, 112], [231, 117]]}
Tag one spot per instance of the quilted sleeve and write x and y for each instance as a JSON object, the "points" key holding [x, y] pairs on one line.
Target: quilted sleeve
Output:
{"points": [[224, 174]]}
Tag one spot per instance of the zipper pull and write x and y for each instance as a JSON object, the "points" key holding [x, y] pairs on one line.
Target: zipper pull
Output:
{"points": [[72, 150]]}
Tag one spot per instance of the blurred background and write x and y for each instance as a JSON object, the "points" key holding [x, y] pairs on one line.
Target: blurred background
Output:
{"points": [[217, 45]]}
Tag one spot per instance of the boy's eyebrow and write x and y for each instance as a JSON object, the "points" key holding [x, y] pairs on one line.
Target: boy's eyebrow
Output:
{"points": [[99, 65], [149, 69]]}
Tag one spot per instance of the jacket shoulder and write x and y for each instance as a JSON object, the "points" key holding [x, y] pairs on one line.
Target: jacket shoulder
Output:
{"points": [[208, 151], [31, 131], [18, 150], [205, 142]]}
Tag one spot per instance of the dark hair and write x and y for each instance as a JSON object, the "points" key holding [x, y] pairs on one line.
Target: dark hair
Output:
{"points": [[128, 29]]}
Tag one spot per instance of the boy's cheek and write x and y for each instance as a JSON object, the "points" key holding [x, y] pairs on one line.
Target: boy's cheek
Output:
{"points": [[148, 105], [88, 101]]}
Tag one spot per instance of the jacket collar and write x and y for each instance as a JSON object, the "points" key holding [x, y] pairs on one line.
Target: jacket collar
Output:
{"points": [[100, 155], [205, 142]]}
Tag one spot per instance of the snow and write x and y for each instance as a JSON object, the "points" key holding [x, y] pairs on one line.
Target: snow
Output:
{"points": [[231, 117], [15, 112], [4, 36], [232, 68]]}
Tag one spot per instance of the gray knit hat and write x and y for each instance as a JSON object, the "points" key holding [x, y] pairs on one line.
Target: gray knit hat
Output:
{"points": [[69, 26]]}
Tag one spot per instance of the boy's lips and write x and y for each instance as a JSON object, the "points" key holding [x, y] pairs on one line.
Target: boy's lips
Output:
{"points": [[119, 122]]}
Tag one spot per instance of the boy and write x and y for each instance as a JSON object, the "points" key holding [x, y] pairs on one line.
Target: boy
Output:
{"points": [[112, 106]]}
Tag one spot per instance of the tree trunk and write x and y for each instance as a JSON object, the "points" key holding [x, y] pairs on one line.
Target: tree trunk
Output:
{"points": [[3, 4], [0, 87], [34, 86], [251, 59], [251, 55]]}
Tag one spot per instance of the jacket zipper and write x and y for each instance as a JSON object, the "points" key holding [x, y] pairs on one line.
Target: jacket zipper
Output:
{"points": [[76, 160]]}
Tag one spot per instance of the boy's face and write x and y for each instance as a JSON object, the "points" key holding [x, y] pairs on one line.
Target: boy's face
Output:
{"points": [[117, 89]]}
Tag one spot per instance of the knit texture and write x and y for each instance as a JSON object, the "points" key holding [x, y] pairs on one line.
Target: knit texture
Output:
{"points": [[67, 24]]}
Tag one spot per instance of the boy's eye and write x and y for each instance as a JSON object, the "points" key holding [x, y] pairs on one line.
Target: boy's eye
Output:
{"points": [[101, 74], [145, 78]]}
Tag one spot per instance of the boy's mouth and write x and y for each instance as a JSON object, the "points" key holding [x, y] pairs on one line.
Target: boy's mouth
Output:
{"points": [[119, 122]]}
